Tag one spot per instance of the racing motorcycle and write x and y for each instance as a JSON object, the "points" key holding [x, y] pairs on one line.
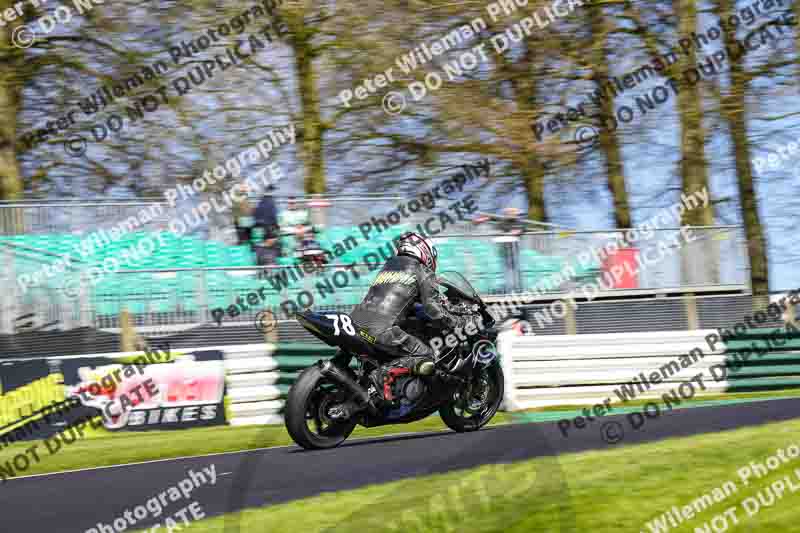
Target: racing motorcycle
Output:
{"points": [[328, 400]]}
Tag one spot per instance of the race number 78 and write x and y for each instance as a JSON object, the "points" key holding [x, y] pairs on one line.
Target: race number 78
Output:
{"points": [[347, 324]]}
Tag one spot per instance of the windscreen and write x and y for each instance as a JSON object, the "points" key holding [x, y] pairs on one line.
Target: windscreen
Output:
{"points": [[456, 280]]}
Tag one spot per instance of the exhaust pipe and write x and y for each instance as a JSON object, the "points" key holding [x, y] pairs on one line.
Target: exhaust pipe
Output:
{"points": [[332, 371]]}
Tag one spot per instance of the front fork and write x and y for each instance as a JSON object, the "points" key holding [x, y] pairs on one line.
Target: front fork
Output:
{"points": [[465, 386]]}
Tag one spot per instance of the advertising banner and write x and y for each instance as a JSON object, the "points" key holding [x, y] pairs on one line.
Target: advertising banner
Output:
{"points": [[149, 390], [186, 392]]}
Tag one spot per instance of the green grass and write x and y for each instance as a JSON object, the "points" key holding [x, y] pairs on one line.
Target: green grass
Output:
{"points": [[103, 448], [603, 491], [772, 394]]}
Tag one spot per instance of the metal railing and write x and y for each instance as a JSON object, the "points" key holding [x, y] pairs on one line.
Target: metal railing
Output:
{"points": [[86, 216], [553, 261], [76, 217]]}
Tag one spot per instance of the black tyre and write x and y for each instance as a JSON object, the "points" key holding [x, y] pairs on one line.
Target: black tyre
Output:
{"points": [[473, 412], [306, 415]]}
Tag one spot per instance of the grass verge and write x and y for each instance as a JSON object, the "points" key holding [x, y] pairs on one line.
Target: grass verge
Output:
{"points": [[757, 395], [604, 491]]}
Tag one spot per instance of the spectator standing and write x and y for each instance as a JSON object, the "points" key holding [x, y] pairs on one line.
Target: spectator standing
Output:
{"points": [[511, 224], [511, 221], [268, 247], [296, 221], [243, 219]]}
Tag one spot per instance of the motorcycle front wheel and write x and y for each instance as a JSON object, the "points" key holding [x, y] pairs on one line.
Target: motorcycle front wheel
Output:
{"points": [[472, 409], [306, 414]]}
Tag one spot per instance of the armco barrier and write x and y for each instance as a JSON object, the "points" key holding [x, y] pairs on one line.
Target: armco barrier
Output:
{"points": [[251, 376], [259, 377], [540, 370], [573, 370]]}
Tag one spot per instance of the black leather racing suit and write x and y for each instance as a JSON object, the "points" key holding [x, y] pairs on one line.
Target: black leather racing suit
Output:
{"points": [[401, 283]]}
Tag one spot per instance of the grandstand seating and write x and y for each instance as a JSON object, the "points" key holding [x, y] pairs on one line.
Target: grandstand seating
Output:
{"points": [[182, 291]]}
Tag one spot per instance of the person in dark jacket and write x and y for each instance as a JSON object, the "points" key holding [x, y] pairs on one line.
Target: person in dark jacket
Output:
{"points": [[266, 214], [406, 279], [266, 219]]}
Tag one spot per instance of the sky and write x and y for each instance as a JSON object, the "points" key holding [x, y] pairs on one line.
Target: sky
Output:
{"points": [[651, 156]]}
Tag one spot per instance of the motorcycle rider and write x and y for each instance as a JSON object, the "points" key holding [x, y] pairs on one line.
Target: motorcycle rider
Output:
{"points": [[406, 279]]}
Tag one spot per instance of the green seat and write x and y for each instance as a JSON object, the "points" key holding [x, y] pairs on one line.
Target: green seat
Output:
{"points": [[239, 256], [218, 288], [165, 292], [189, 286]]}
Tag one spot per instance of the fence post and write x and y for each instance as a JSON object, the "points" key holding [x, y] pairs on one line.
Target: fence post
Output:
{"points": [[692, 317], [84, 318], [271, 335], [127, 331], [760, 302], [9, 303], [570, 322], [748, 280], [202, 287]]}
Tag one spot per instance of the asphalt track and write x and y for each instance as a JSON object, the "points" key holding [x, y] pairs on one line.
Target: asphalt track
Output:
{"points": [[77, 501]]}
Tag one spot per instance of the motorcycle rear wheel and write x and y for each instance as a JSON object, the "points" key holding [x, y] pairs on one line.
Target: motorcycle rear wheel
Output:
{"points": [[307, 403], [458, 417]]}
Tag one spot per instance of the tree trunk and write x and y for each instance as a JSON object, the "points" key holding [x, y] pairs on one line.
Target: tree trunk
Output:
{"points": [[313, 129], [531, 168], [734, 108], [11, 64], [754, 231], [609, 142], [533, 179], [796, 7], [693, 165], [700, 259]]}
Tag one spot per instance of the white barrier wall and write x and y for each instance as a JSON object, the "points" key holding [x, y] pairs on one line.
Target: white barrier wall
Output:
{"points": [[586, 369], [251, 374]]}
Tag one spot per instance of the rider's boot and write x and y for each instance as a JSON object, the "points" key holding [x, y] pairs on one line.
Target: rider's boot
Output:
{"points": [[382, 378], [418, 366]]}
